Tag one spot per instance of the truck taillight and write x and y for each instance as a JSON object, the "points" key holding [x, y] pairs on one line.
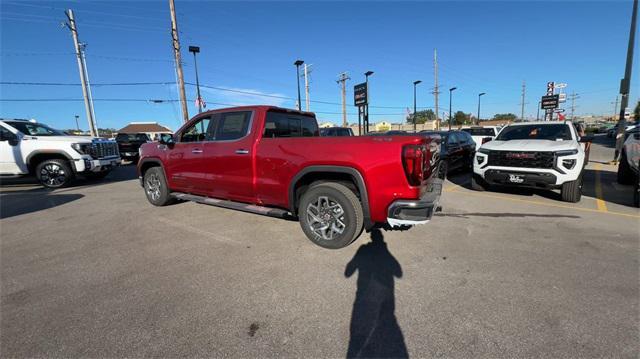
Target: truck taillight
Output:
{"points": [[413, 157]]}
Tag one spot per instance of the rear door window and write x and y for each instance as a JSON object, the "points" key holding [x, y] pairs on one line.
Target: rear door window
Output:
{"points": [[282, 124]]}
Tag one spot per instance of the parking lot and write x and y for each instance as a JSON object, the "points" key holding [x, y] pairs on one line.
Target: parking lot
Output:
{"points": [[95, 271]]}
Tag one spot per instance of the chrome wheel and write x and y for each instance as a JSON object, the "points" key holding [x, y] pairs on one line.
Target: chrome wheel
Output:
{"points": [[326, 218], [153, 186], [53, 175]]}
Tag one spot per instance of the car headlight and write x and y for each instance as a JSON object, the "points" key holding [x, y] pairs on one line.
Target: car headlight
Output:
{"points": [[82, 148], [568, 164], [567, 152]]}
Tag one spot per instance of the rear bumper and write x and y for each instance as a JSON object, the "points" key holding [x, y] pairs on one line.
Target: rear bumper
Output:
{"points": [[411, 212]]}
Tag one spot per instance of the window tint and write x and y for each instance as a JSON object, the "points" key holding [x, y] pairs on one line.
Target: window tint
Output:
{"points": [[196, 132], [452, 139], [233, 125], [35, 129], [480, 131], [551, 132], [132, 137], [280, 124]]}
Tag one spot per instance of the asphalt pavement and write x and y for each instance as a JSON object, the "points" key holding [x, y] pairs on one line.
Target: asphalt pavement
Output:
{"points": [[95, 271]]}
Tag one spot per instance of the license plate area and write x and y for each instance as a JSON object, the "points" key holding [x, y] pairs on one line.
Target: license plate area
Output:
{"points": [[514, 178]]}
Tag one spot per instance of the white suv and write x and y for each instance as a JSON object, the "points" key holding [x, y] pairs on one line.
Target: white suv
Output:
{"points": [[28, 147], [533, 154]]}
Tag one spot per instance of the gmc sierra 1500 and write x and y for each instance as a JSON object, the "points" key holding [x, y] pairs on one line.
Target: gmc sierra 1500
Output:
{"points": [[271, 161]]}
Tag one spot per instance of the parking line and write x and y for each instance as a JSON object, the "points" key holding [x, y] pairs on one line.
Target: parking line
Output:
{"points": [[602, 205], [549, 204]]}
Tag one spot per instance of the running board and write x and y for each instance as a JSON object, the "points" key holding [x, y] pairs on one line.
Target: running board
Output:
{"points": [[238, 206]]}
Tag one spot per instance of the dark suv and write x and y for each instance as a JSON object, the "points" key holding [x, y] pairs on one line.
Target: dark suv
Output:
{"points": [[129, 143]]}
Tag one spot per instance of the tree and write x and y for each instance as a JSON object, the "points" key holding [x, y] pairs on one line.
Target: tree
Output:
{"points": [[506, 117], [422, 116], [461, 118]]}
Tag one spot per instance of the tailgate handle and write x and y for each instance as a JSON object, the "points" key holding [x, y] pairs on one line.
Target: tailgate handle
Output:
{"points": [[242, 152]]}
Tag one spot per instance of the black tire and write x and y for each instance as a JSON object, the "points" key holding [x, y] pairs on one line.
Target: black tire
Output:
{"points": [[54, 173], [155, 187], [97, 175], [572, 191], [477, 183], [625, 174], [311, 204]]}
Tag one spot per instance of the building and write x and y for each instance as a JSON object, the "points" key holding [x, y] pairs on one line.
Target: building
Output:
{"points": [[152, 129]]}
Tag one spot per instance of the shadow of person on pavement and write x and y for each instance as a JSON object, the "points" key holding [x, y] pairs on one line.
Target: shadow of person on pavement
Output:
{"points": [[374, 328]]}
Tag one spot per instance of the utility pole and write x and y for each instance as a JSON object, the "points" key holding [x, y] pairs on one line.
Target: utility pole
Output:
{"points": [[307, 71], [71, 24], [524, 89], [343, 80], [435, 87], [615, 108], [176, 53], [573, 96], [625, 84]]}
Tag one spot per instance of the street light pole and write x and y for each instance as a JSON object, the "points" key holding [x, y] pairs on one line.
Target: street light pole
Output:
{"points": [[538, 115], [195, 50], [450, 97], [478, 118], [77, 125], [298, 63], [415, 83], [366, 107]]}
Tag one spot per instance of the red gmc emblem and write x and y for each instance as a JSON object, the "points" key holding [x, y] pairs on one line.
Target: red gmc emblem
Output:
{"points": [[521, 155]]}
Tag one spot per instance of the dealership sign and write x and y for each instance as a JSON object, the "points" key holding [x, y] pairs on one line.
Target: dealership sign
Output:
{"points": [[550, 102], [360, 94]]}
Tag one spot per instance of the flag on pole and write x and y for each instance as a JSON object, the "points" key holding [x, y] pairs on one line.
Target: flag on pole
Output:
{"points": [[200, 101]]}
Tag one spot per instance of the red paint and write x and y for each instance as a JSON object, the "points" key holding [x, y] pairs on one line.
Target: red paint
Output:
{"points": [[264, 174]]}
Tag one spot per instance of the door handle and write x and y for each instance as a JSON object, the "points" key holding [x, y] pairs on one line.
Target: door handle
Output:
{"points": [[196, 150], [242, 152]]}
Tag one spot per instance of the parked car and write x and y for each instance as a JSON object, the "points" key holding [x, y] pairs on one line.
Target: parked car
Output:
{"points": [[628, 169], [129, 143], [55, 158], [272, 161], [533, 154], [481, 135], [336, 131], [457, 150], [611, 133]]}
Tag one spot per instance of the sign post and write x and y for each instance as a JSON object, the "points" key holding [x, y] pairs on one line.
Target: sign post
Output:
{"points": [[360, 100]]}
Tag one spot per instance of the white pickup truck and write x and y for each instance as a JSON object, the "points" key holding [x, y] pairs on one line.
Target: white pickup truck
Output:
{"points": [[545, 155], [55, 158]]}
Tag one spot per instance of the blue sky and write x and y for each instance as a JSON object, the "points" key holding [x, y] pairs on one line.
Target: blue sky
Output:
{"points": [[251, 46]]}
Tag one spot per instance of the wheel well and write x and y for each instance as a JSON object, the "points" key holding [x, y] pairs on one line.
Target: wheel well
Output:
{"points": [[308, 179], [39, 157], [146, 165]]}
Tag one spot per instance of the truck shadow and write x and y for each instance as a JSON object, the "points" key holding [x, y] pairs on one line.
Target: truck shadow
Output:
{"points": [[121, 173], [610, 191], [22, 202], [374, 328]]}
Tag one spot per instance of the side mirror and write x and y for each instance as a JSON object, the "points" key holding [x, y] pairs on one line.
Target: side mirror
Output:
{"points": [[486, 139], [9, 137], [166, 139], [585, 139]]}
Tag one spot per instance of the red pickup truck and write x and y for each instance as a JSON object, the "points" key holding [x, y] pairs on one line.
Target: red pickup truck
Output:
{"points": [[271, 161]]}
